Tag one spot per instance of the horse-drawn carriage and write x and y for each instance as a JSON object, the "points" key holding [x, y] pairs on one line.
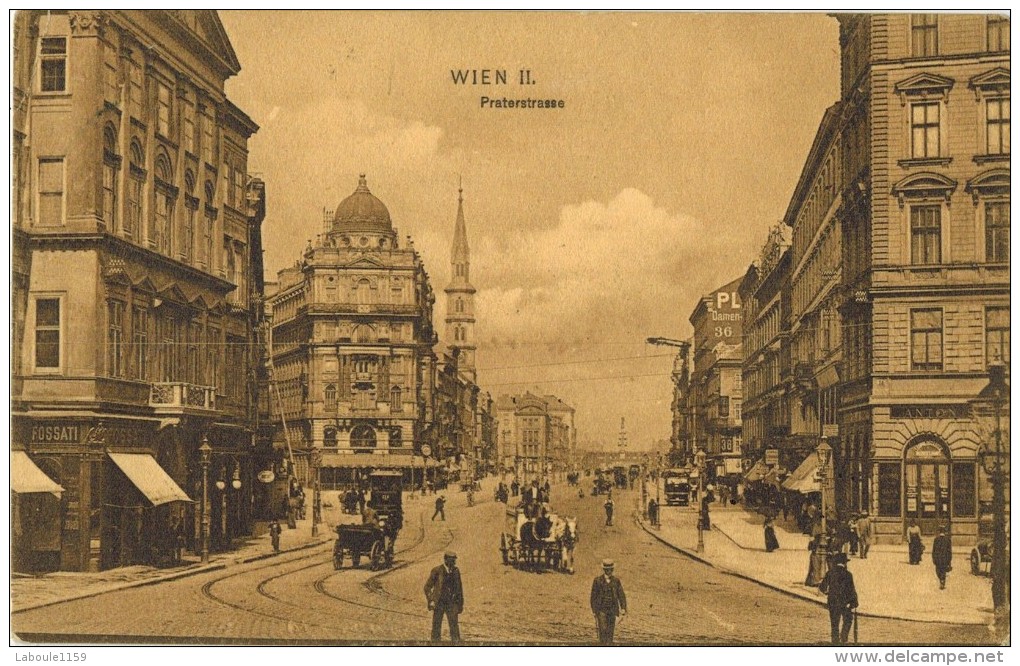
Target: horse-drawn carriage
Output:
{"points": [[384, 518], [523, 545]]}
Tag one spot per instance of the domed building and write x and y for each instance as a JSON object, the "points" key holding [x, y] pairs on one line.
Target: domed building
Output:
{"points": [[352, 339]]}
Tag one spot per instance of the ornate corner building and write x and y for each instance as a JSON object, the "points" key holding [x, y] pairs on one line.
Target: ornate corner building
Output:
{"points": [[136, 289]]}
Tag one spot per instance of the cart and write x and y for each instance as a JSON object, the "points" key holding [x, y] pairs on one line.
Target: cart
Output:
{"points": [[355, 541]]}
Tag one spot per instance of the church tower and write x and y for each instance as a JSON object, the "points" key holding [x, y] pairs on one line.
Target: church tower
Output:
{"points": [[460, 297]]}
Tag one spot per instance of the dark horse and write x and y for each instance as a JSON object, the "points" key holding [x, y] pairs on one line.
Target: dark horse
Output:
{"points": [[531, 545]]}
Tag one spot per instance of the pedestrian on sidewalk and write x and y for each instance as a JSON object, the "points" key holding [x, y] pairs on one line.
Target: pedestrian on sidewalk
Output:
{"points": [[440, 504], [609, 510], [444, 593], [653, 512], [274, 534], [771, 542], [864, 535], [915, 549], [942, 556], [607, 602], [855, 538], [842, 598], [818, 563]]}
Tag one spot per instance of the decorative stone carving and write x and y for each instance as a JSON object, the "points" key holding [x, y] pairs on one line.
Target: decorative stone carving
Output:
{"points": [[86, 22]]}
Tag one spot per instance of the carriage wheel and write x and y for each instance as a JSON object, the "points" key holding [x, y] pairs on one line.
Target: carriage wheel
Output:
{"points": [[375, 558]]}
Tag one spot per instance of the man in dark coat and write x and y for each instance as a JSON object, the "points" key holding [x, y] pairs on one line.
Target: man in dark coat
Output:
{"points": [[838, 584], [440, 507], [942, 556], [607, 602], [445, 595]]}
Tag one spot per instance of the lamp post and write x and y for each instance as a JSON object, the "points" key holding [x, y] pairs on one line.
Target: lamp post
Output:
{"points": [[699, 461], [658, 499], [824, 453], [990, 403], [205, 453], [316, 491]]}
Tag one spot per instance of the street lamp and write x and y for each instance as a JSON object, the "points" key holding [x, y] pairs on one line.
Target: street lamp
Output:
{"points": [[658, 498], [205, 453], [316, 491], [824, 453], [989, 403], [699, 461]]}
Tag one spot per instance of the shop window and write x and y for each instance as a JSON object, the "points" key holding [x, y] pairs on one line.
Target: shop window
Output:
{"points": [[889, 484], [964, 490]]}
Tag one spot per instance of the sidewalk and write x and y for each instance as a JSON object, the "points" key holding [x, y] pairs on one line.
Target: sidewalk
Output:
{"points": [[887, 585], [30, 591]]}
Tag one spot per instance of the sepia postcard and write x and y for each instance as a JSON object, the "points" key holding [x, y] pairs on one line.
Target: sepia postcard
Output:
{"points": [[510, 328]]}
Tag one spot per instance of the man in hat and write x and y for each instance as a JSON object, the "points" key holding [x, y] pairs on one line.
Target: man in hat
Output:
{"points": [[838, 584], [440, 504], [607, 602], [445, 596], [942, 555], [864, 534]]}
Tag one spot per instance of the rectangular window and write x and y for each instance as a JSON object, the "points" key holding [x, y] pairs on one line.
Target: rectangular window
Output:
{"points": [[140, 341], [164, 109], [110, 195], [238, 188], [724, 406], [111, 75], [997, 335], [51, 191], [997, 119], [53, 64], [47, 333], [208, 138], [964, 490], [889, 486], [194, 360], [924, 130], [189, 128], [737, 409], [136, 91], [115, 339], [164, 212], [924, 34], [134, 206], [926, 235], [997, 231], [998, 33], [188, 238], [926, 339], [206, 259]]}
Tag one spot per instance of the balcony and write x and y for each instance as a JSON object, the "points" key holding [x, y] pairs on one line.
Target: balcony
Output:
{"points": [[176, 397]]}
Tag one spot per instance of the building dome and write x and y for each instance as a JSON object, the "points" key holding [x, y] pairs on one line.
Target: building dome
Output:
{"points": [[362, 211]]}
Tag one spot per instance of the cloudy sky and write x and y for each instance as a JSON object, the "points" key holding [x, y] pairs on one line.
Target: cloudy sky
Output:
{"points": [[591, 227]]}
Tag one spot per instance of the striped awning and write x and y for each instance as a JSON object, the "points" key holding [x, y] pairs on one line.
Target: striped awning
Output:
{"points": [[26, 477], [151, 479], [805, 478], [757, 472]]}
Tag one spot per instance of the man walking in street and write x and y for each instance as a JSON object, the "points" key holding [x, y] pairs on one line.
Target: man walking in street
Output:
{"points": [[440, 504], [274, 534], [609, 510], [942, 556], [864, 535], [445, 596], [607, 602], [838, 584]]}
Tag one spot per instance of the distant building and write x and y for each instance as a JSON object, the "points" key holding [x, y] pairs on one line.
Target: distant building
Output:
{"points": [[353, 370], [136, 286], [536, 434]]}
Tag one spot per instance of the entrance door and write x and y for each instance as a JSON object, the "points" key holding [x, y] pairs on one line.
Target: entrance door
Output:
{"points": [[927, 485]]}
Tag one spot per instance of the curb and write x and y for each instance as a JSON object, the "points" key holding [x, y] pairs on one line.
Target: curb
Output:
{"points": [[192, 570], [792, 593]]}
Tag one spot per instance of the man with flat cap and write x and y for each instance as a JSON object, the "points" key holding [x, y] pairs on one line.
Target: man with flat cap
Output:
{"points": [[445, 596], [607, 602]]}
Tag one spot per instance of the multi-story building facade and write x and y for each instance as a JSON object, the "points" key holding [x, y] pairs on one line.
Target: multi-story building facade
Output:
{"points": [[764, 292], [353, 371], [814, 335], [715, 392], [925, 261], [536, 434], [135, 231]]}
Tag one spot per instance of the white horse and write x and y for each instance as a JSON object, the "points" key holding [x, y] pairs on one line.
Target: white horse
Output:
{"points": [[568, 539]]}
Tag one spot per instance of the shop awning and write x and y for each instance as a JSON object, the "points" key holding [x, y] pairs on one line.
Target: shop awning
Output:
{"points": [[26, 477], [151, 479], [370, 460], [805, 478], [756, 473]]}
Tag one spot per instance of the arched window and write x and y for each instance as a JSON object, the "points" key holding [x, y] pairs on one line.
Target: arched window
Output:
{"points": [[396, 400], [205, 258], [111, 166], [364, 292], [363, 333], [330, 396], [191, 204], [329, 438], [160, 232], [133, 221], [363, 437]]}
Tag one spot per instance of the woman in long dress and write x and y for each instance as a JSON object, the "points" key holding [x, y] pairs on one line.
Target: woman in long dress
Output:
{"points": [[819, 564], [914, 546], [771, 542]]}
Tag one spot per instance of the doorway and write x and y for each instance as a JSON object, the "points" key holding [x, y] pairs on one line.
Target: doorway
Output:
{"points": [[927, 485]]}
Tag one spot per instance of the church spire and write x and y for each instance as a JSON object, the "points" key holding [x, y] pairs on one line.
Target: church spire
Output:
{"points": [[461, 252], [460, 295]]}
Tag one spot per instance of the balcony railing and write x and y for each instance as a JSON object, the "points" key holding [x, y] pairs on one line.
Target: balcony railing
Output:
{"points": [[182, 395]]}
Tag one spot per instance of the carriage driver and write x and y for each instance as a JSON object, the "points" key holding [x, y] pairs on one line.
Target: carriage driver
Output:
{"points": [[370, 517]]}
